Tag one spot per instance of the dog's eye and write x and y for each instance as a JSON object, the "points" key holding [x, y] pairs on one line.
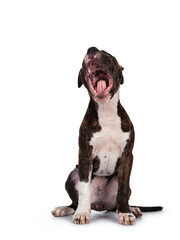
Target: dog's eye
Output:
{"points": [[107, 54]]}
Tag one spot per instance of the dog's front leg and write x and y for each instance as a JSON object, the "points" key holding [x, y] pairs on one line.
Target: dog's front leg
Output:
{"points": [[82, 214], [124, 170]]}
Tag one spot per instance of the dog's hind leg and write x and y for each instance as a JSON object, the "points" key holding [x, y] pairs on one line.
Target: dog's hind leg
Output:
{"points": [[62, 211], [71, 188], [136, 211]]}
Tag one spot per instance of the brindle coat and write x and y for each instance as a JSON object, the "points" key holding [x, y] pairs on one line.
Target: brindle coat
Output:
{"points": [[91, 125], [87, 163]]}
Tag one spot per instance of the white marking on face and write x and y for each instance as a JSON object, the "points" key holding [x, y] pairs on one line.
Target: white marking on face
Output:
{"points": [[87, 59], [109, 143]]}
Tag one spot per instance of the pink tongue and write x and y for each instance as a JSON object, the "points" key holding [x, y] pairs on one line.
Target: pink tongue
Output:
{"points": [[101, 86]]}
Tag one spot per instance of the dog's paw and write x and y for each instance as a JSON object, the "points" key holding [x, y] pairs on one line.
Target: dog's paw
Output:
{"points": [[62, 211], [81, 217], [126, 218], [136, 211]]}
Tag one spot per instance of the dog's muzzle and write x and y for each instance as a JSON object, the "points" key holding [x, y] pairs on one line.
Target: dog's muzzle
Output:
{"points": [[98, 79]]}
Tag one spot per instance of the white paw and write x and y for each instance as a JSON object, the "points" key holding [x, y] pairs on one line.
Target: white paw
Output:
{"points": [[136, 211], [81, 217], [62, 211], [126, 218]]}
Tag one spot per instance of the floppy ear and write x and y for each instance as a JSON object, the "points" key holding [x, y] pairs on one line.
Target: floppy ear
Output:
{"points": [[122, 78], [80, 78]]}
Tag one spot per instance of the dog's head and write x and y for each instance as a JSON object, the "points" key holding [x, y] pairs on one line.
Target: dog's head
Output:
{"points": [[101, 74]]}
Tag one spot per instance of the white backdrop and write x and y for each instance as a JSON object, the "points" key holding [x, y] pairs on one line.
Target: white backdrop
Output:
{"points": [[42, 45]]}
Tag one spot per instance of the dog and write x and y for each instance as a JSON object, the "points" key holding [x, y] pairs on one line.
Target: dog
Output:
{"points": [[100, 181]]}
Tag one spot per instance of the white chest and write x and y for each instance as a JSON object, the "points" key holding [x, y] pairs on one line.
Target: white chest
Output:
{"points": [[108, 144]]}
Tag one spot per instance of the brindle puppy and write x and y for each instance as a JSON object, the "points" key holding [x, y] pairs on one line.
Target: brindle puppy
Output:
{"points": [[106, 138]]}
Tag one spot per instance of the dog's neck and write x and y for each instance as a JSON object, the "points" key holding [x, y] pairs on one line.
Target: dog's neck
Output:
{"points": [[107, 111], [110, 105]]}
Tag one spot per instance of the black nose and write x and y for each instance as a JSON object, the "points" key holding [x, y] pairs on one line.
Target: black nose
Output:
{"points": [[92, 50]]}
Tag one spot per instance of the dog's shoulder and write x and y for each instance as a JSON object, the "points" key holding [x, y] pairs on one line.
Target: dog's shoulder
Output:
{"points": [[126, 123]]}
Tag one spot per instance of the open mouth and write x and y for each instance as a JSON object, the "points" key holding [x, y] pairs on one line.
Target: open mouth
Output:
{"points": [[99, 80]]}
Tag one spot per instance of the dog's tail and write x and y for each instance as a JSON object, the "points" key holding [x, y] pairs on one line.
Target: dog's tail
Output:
{"points": [[149, 209]]}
